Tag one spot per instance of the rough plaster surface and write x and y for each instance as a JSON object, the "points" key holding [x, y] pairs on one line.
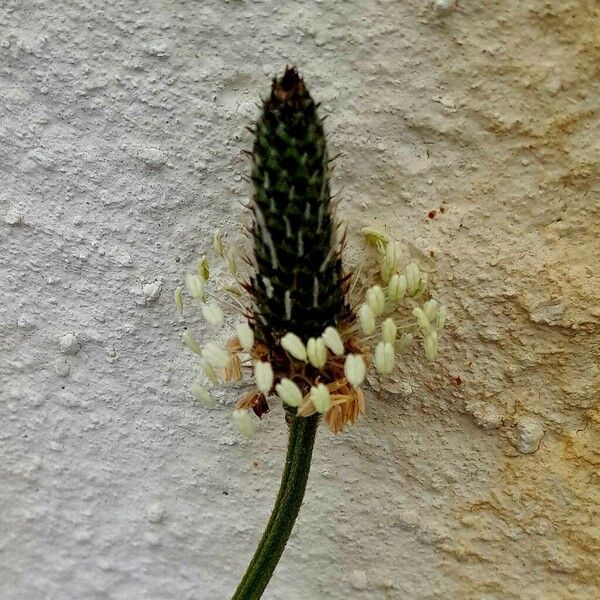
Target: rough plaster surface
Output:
{"points": [[121, 130]]}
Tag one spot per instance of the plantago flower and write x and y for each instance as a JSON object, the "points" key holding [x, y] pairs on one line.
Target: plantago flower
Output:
{"points": [[191, 343], [396, 288], [195, 286], [179, 300], [213, 314], [289, 392], [245, 336], [431, 345], [215, 356], [355, 369], [389, 330], [333, 340], [316, 352], [366, 319], [292, 344], [384, 358], [295, 294], [202, 395], [320, 398], [413, 278], [243, 422], [263, 375], [375, 299]]}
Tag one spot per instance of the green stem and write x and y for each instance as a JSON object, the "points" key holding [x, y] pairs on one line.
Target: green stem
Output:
{"points": [[302, 431]]}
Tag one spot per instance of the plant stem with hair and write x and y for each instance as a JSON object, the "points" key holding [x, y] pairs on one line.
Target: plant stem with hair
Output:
{"points": [[302, 432]]}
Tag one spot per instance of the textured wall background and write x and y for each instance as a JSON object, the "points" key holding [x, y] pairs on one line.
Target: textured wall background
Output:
{"points": [[121, 129]]}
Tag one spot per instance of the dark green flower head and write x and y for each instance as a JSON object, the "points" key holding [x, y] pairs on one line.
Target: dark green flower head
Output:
{"points": [[298, 284]]}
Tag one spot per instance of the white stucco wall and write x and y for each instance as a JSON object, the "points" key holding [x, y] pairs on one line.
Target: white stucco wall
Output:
{"points": [[121, 130]]}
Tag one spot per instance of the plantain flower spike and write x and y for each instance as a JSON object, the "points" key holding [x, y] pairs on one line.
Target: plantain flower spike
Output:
{"points": [[298, 283]]}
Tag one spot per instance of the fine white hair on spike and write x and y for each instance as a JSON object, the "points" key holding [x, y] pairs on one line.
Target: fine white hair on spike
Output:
{"points": [[323, 187], [292, 193], [320, 219], [307, 211], [288, 304], [315, 292], [268, 240], [327, 259], [288, 227], [266, 181], [300, 244], [268, 287]]}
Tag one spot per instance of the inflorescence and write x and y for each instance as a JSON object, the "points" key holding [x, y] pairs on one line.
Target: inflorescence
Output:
{"points": [[310, 330]]}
